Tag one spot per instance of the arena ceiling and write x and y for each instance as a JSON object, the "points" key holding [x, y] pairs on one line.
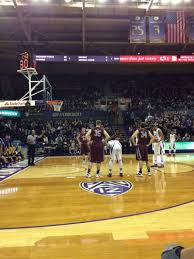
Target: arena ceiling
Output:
{"points": [[64, 28]]}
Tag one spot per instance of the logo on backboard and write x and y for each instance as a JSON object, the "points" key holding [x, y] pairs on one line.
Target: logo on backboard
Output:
{"points": [[107, 188]]}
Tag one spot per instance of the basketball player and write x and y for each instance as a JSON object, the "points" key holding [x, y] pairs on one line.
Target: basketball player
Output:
{"points": [[97, 135], [142, 139], [158, 146], [172, 145], [83, 142], [115, 149]]}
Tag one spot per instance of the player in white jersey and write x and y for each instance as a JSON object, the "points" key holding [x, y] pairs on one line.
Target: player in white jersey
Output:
{"points": [[158, 146], [115, 149], [172, 145]]}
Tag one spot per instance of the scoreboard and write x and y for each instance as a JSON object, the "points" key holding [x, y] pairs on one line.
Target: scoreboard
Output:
{"points": [[60, 58], [116, 59], [26, 60]]}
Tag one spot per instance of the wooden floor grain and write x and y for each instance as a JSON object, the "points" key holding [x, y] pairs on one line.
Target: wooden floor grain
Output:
{"points": [[48, 215]]}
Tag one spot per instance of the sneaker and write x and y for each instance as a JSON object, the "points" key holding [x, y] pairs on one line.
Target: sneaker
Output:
{"points": [[154, 165], [110, 175], [161, 166], [139, 174], [149, 173], [121, 174], [97, 175], [88, 175]]}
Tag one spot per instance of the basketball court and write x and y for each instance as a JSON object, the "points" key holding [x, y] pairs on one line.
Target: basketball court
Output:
{"points": [[52, 211]]}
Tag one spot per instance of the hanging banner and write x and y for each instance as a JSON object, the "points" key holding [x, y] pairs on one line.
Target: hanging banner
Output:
{"points": [[156, 29], [138, 29], [191, 29]]}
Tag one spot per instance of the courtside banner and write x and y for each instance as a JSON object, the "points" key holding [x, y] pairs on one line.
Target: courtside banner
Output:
{"points": [[182, 145], [10, 113], [156, 29], [138, 29], [16, 103], [191, 28]]}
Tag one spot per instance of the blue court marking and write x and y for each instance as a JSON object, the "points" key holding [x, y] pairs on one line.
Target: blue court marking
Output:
{"points": [[8, 172], [96, 220], [110, 188]]}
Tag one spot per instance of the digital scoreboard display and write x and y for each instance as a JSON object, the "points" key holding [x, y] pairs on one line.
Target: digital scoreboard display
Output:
{"points": [[113, 59], [26, 60], [60, 58]]}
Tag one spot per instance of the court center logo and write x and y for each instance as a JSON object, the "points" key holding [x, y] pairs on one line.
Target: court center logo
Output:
{"points": [[107, 188]]}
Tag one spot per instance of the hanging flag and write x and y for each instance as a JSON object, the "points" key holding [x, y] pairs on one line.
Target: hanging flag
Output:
{"points": [[138, 29], [156, 29], [176, 32], [191, 29]]}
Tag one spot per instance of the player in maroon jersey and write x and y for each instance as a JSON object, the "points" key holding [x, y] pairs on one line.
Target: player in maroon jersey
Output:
{"points": [[97, 137], [142, 139], [81, 138]]}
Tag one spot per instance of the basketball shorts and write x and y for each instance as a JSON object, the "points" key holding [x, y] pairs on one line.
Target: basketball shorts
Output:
{"points": [[116, 154], [97, 153], [84, 149], [172, 145], [158, 148], [142, 153]]}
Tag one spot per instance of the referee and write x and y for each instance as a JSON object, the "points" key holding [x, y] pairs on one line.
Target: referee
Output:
{"points": [[31, 141]]}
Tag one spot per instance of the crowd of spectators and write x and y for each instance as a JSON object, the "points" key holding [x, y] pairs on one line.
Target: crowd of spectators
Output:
{"points": [[160, 101], [9, 153], [54, 134], [85, 100]]}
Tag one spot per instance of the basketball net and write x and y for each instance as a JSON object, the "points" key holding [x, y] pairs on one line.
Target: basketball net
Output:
{"points": [[56, 104]]}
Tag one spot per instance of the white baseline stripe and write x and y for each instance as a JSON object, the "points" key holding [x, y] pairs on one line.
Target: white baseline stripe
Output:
{"points": [[21, 170]]}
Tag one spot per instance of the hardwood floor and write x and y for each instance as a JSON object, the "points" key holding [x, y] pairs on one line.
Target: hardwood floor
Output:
{"points": [[46, 214]]}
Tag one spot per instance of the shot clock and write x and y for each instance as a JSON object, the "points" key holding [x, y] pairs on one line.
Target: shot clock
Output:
{"points": [[26, 61]]}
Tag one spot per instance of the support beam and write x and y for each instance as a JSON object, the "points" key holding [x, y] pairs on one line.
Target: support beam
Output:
{"points": [[21, 21], [83, 27], [149, 6]]}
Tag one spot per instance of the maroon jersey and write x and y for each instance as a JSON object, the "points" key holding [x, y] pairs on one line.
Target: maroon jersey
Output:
{"points": [[83, 139], [97, 134], [143, 137]]}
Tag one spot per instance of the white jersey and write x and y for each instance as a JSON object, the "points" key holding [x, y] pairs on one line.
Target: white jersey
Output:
{"points": [[158, 148], [172, 137], [114, 144], [115, 148], [156, 134]]}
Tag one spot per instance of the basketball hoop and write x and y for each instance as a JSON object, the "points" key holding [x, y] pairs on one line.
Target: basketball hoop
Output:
{"points": [[28, 71], [56, 104]]}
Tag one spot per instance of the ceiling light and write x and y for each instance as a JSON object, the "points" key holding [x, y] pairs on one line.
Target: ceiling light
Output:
{"points": [[122, 1], [165, 1], [174, 2], [102, 1]]}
